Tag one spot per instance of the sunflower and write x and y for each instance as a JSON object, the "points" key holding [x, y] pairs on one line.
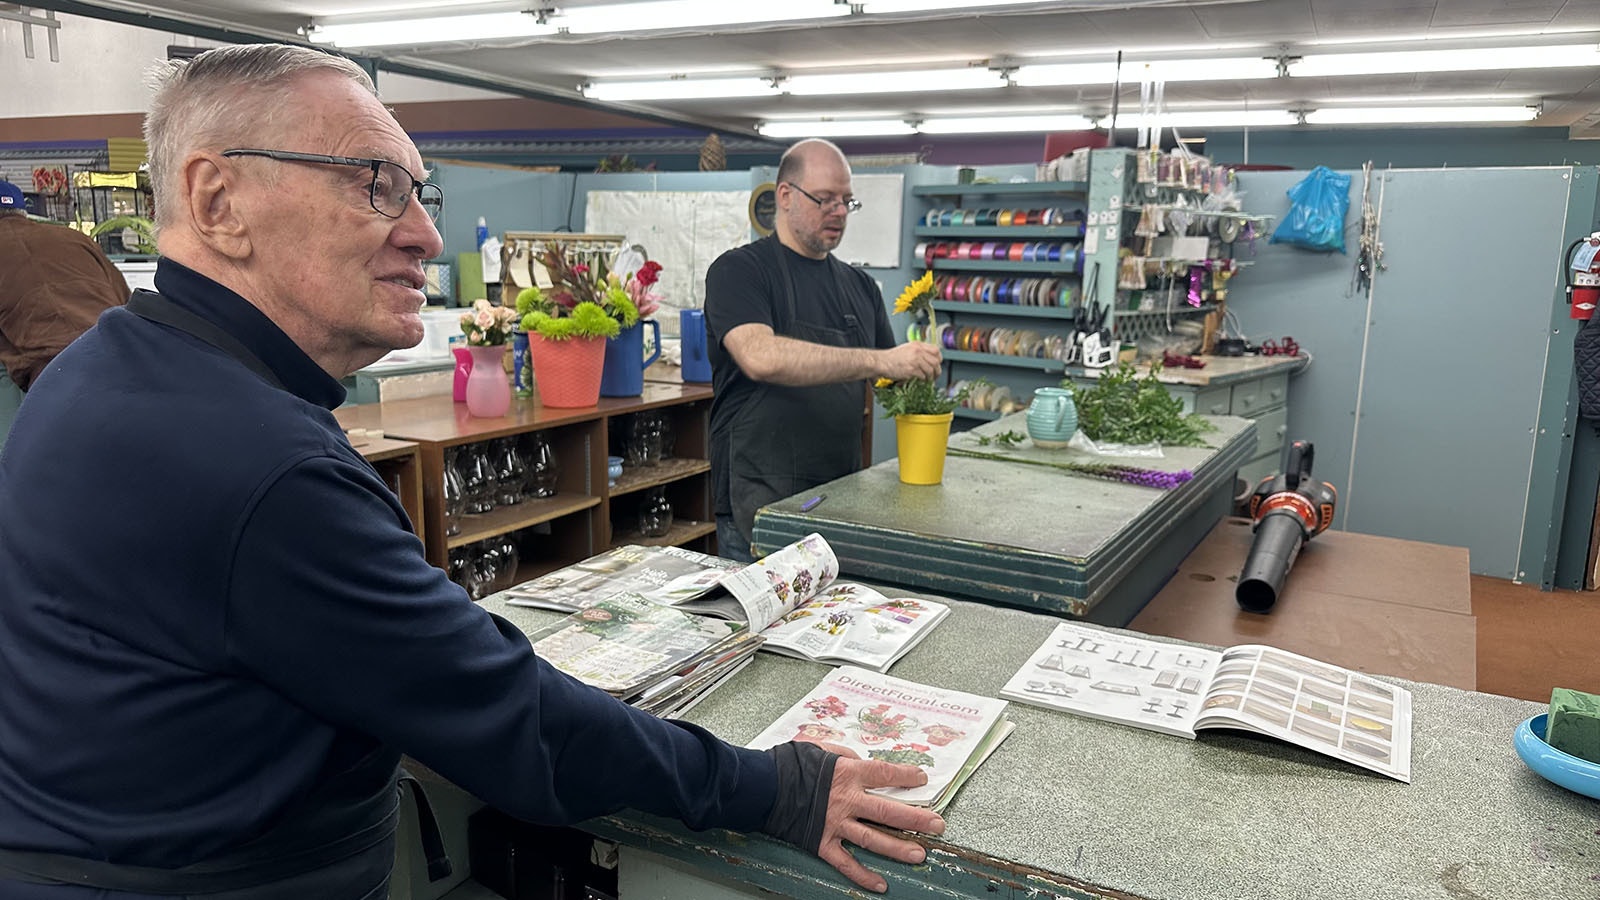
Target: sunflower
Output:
{"points": [[917, 295]]}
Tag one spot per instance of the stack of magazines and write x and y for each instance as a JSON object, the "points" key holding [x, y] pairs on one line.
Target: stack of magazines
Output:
{"points": [[789, 598], [655, 657]]}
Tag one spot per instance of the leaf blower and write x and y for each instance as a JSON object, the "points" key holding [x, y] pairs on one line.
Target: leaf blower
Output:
{"points": [[1288, 510]]}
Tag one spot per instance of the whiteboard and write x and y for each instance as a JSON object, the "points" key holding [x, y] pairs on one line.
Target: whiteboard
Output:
{"points": [[685, 231], [872, 236]]}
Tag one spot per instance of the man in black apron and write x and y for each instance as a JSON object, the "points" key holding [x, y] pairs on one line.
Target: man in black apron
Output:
{"points": [[218, 634], [794, 336]]}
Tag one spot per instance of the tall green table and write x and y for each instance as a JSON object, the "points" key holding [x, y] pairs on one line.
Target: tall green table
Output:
{"points": [[1009, 527]]}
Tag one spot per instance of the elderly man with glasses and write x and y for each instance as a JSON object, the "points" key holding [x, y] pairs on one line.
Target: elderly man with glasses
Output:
{"points": [[217, 633], [795, 337]]}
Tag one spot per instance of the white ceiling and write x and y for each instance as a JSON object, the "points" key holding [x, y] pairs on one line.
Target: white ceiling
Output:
{"points": [[557, 65]]}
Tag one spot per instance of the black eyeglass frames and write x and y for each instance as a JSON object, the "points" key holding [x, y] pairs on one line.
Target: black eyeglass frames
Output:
{"points": [[850, 204], [393, 185]]}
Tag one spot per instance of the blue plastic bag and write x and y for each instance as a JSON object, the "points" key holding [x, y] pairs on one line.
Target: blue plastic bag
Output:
{"points": [[1316, 214]]}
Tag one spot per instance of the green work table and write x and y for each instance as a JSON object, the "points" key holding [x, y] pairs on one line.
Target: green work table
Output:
{"points": [[1004, 529], [1070, 807]]}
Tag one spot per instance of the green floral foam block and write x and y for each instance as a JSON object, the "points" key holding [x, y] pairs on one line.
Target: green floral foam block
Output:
{"points": [[1574, 724]]}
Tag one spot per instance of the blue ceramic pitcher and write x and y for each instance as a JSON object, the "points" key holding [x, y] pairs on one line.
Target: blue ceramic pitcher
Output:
{"points": [[623, 374], [692, 330], [1052, 417]]}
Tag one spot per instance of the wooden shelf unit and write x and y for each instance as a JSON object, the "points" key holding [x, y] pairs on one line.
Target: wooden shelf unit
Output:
{"points": [[579, 518]]}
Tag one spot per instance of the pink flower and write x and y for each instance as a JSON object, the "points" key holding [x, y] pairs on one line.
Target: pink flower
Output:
{"points": [[580, 269], [484, 319]]}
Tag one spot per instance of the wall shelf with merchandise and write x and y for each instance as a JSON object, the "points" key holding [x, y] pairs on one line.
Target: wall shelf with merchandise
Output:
{"points": [[1007, 260]]}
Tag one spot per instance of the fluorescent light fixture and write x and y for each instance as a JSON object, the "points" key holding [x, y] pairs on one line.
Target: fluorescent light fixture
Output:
{"points": [[1208, 118], [1233, 68], [893, 82], [431, 30], [900, 6], [1555, 56], [678, 89], [1413, 37], [1409, 115], [987, 124], [834, 128], [680, 14]]}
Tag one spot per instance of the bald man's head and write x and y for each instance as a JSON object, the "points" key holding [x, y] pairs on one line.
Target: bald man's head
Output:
{"points": [[792, 166]]}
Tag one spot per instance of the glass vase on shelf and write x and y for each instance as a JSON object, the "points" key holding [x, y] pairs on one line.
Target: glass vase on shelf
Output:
{"points": [[665, 436], [509, 471], [485, 568], [461, 567], [655, 513], [541, 466], [643, 444], [455, 500], [505, 561], [477, 478]]}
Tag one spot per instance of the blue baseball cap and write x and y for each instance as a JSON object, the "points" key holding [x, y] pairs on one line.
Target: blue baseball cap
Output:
{"points": [[10, 196]]}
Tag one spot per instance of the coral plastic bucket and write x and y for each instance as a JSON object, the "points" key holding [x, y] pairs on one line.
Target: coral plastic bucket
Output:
{"points": [[567, 373]]}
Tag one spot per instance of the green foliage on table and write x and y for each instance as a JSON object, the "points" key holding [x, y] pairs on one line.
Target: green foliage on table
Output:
{"points": [[919, 397], [1003, 439], [1126, 409]]}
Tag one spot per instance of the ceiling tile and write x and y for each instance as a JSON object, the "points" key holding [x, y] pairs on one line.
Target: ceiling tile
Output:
{"points": [[1495, 12], [1278, 19], [1340, 22], [1149, 27], [1578, 14]]}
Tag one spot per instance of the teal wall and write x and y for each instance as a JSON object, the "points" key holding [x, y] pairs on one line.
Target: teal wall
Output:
{"points": [[1419, 148]]}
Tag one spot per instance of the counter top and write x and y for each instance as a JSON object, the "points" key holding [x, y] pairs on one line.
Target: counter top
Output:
{"points": [[1070, 807], [1219, 370], [439, 419]]}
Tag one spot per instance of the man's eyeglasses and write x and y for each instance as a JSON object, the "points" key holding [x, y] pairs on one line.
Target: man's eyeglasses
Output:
{"points": [[850, 204], [392, 184]]}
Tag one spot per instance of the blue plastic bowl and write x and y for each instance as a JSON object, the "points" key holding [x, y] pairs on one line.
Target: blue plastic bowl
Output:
{"points": [[1564, 769]]}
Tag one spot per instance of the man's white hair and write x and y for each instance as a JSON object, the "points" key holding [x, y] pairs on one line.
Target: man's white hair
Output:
{"points": [[227, 97]]}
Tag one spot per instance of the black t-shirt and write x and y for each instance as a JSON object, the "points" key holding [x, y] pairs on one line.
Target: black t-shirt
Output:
{"points": [[745, 285]]}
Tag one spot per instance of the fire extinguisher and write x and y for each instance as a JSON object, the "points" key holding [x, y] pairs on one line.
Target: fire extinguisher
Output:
{"points": [[1581, 263]]}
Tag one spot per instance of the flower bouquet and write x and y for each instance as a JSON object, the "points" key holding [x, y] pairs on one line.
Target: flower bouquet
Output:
{"points": [[583, 300], [487, 325], [568, 325], [921, 410], [487, 328]]}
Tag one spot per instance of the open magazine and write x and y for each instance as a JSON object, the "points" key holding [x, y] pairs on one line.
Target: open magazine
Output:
{"points": [[789, 596], [947, 733], [1178, 689]]}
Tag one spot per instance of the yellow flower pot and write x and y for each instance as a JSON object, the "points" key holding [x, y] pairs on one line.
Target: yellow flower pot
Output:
{"points": [[921, 442]]}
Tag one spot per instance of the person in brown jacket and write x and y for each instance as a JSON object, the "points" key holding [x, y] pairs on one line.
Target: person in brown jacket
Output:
{"points": [[54, 283]]}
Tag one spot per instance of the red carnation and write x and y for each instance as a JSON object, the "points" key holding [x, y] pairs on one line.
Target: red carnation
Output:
{"points": [[648, 273]]}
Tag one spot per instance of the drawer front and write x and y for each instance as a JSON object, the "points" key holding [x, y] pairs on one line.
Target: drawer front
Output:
{"points": [[1209, 402], [1271, 428], [1250, 398]]}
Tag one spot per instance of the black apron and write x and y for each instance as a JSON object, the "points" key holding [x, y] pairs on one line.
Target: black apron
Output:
{"points": [[789, 439], [337, 842]]}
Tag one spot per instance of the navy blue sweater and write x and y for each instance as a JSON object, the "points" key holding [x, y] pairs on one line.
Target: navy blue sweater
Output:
{"points": [[209, 602]]}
